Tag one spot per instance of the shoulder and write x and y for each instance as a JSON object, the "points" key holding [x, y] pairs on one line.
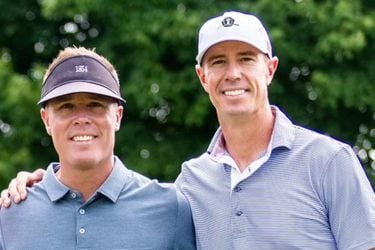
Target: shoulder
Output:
{"points": [[199, 172], [37, 197], [138, 183], [201, 165], [300, 137], [322, 152], [333, 162], [311, 139]]}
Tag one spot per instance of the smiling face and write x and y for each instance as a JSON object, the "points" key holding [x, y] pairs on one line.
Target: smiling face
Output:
{"points": [[83, 128], [236, 76]]}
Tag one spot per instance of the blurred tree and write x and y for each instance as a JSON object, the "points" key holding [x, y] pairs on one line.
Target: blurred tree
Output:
{"points": [[325, 78]]}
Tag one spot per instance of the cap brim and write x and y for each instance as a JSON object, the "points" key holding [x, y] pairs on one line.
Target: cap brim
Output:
{"points": [[80, 87], [199, 57]]}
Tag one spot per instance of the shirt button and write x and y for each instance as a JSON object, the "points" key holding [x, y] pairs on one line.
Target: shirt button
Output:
{"points": [[82, 211], [73, 195], [237, 189], [82, 230], [239, 213]]}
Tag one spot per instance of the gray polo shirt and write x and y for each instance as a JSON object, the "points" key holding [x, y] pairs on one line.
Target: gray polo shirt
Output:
{"points": [[129, 211], [311, 193]]}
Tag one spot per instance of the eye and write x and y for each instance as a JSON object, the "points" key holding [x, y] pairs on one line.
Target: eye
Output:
{"points": [[217, 61], [247, 59], [95, 104], [98, 107], [66, 105]]}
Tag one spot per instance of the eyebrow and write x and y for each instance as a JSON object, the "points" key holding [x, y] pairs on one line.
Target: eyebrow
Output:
{"points": [[241, 53], [247, 53], [211, 58]]}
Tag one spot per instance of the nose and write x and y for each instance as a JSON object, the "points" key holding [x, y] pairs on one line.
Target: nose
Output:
{"points": [[82, 116], [233, 72]]}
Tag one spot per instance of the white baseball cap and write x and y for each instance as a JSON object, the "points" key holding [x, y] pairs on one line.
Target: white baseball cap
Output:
{"points": [[233, 26]]}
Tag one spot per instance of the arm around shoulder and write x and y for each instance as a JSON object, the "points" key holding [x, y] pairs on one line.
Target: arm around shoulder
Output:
{"points": [[185, 233], [16, 191]]}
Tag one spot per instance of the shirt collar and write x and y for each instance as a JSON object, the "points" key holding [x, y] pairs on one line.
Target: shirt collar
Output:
{"points": [[54, 188], [115, 182], [283, 133], [111, 188]]}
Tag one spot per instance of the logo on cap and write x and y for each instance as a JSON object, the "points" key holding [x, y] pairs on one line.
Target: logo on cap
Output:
{"points": [[81, 68], [227, 22]]}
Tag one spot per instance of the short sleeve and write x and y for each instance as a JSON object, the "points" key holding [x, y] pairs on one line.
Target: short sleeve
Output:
{"points": [[350, 201]]}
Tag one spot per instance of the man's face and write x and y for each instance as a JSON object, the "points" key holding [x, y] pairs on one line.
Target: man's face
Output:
{"points": [[236, 75], [83, 128]]}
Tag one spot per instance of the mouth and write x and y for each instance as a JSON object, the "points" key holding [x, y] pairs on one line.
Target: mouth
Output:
{"points": [[235, 92], [82, 138]]}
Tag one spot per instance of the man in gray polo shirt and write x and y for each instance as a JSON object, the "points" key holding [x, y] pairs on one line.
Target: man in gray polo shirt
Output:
{"points": [[89, 199], [264, 182]]}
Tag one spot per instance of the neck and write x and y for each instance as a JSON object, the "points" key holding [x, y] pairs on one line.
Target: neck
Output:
{"points": [[247, 137], [85, 180]]}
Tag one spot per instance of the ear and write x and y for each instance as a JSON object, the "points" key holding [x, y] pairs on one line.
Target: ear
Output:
{"points": [[45, 119], [272, 66], [202, 77], [119, 114]]}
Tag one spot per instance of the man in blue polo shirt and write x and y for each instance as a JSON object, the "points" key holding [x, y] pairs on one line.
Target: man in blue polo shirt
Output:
{"points": [[265, 183], [89, 199]]}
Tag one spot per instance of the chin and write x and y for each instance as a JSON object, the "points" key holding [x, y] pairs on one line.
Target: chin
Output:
{"points": [[237, 112], [84, 162]]}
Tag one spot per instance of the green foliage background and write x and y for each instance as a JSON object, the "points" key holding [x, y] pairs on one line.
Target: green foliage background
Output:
{"points": [[325, 81]]}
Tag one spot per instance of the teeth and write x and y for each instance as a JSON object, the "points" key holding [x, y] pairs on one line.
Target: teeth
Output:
{"points": [[83, 138], [234, 92]]}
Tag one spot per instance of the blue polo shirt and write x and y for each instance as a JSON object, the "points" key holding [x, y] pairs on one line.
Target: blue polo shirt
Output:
{"points": [[311, 192], [129, 211]]}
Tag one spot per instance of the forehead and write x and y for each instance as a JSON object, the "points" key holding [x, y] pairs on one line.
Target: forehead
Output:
{"points": [[81, 97], [227, 47]]}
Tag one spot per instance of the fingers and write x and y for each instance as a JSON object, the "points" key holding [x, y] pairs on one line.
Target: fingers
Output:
{"points": [[13, 189], [38, 174], [24, 179], [16, 191], [4, 199], [17, 187]]}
